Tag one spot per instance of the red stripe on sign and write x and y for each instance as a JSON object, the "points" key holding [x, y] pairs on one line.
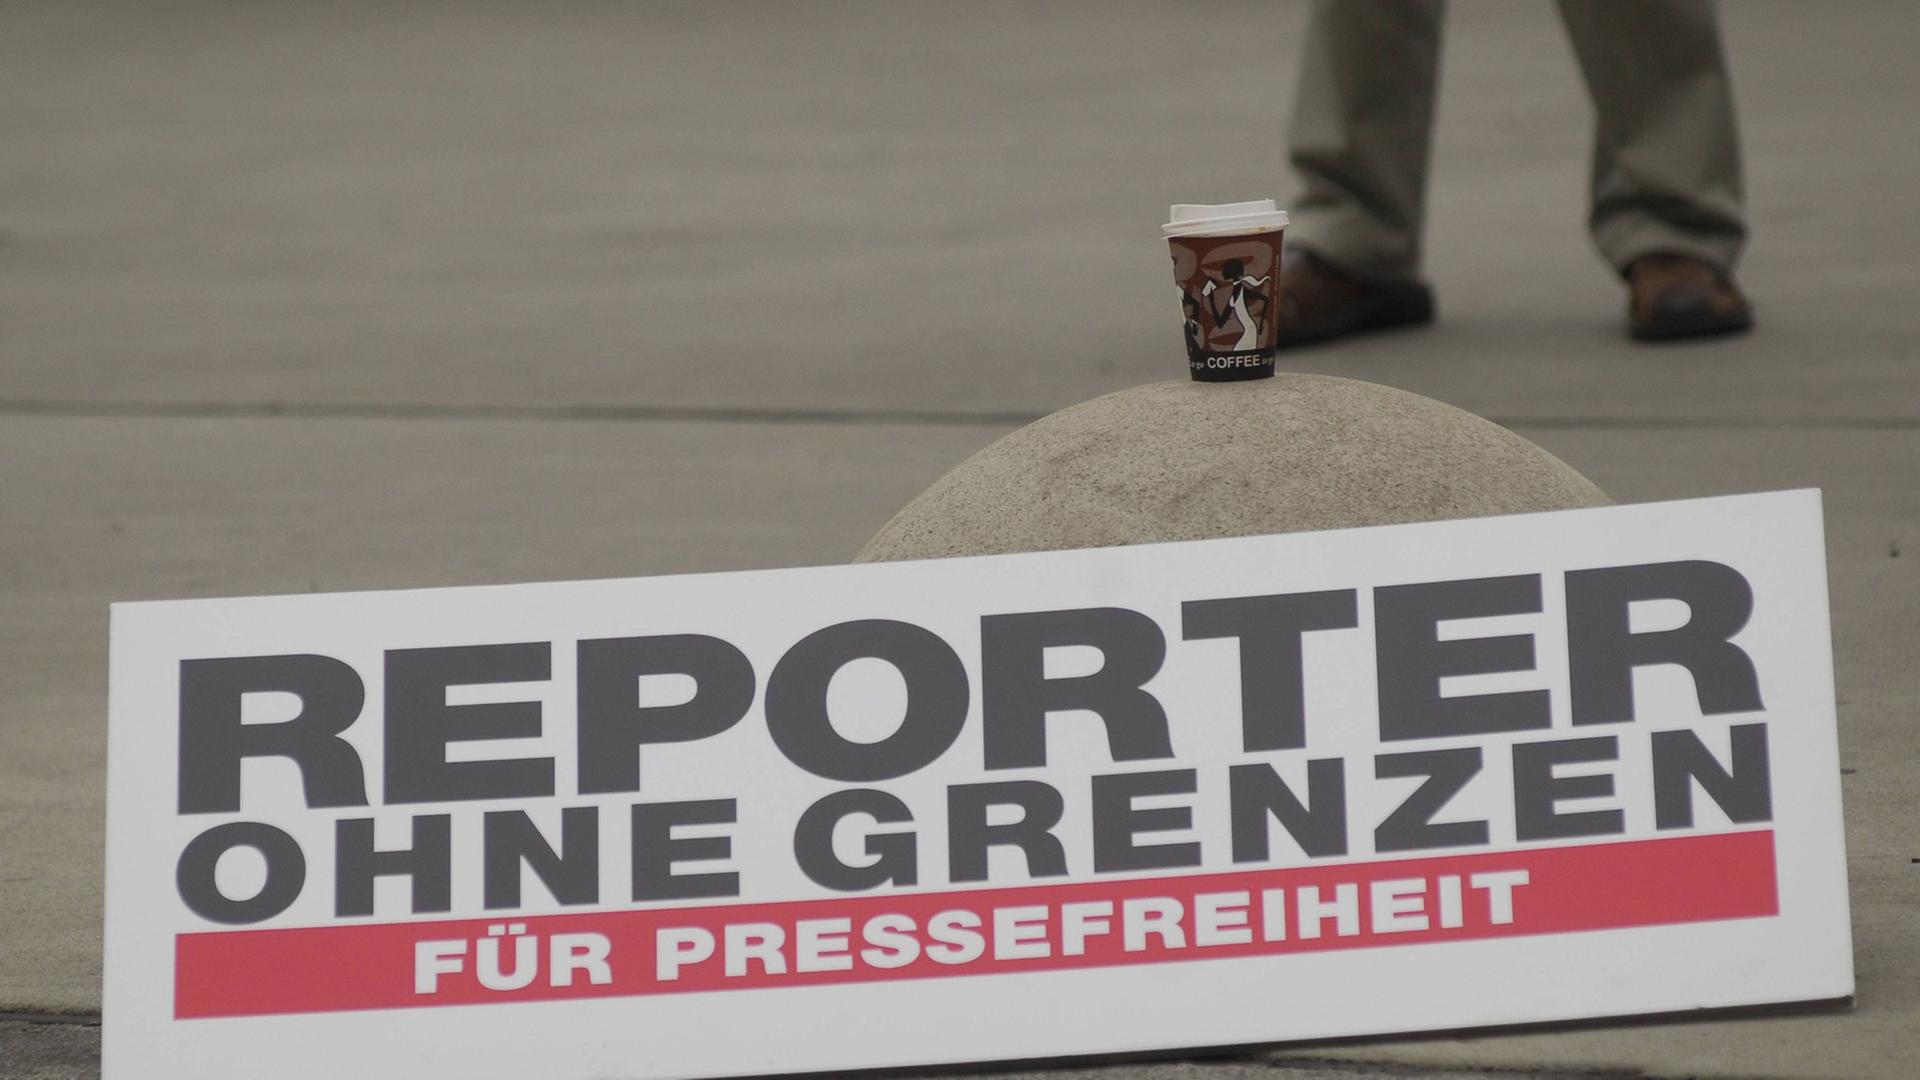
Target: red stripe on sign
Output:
{"points": [[983, 931]]}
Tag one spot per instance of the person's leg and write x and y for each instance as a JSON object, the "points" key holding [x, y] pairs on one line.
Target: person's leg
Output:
{"points": [[1666, 159], [1362, 131]]}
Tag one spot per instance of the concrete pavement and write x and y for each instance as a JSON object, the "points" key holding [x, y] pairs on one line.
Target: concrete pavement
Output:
{"points": [[337, 297], [39, 1051]]}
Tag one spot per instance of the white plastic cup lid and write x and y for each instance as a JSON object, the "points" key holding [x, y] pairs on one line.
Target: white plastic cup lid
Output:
{"points": [[1223, 219]]}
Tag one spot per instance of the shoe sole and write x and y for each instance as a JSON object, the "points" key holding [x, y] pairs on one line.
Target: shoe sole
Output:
{"points": [[1397, 307], [1678, 329]]}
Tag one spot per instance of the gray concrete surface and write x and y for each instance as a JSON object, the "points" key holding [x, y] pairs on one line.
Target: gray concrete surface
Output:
{"points": [[302, 296], [1186, 460], [41, 1051], [33, 1051], [938, 205]]}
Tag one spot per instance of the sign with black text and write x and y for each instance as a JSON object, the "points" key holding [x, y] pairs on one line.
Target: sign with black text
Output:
{"points": [[1405, 778]]}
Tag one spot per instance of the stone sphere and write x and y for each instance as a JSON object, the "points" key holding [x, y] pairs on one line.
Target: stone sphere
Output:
{"points": [[1191, 460]]}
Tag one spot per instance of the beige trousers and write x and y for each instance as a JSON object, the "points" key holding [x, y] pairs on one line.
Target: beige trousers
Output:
{"points": [[1666, 157]]}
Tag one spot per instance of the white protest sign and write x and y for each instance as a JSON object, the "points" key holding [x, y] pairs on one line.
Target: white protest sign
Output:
{"points": [[1393, 779]]}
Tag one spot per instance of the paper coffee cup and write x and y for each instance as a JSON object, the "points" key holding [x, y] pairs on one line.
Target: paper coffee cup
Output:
{"points": [[1226, 265]]}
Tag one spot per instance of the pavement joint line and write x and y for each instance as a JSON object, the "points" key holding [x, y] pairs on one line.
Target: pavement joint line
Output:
{"points": [[80, 1019], [1710, 423], [1379, 1070], [430, 411], [727, 414]]}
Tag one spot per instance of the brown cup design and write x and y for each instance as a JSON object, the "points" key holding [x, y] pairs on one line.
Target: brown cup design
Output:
{"points": [[1229, 295]]}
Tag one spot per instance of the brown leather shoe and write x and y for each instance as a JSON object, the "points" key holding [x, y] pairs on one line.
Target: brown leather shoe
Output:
{"points": [[1319, 301], [1678, 296]]}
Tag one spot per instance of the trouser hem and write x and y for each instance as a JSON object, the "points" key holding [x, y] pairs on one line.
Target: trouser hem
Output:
{"points": [[1354, 250], [1620, 245]]}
